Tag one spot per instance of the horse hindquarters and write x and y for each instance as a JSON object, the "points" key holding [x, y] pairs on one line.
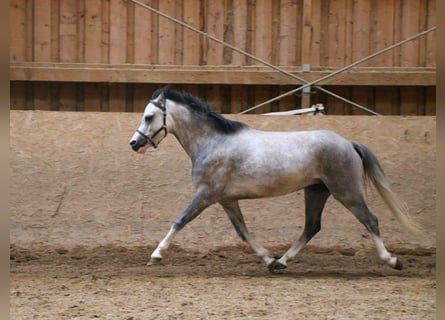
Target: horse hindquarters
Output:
{"points": [[346, 185]]}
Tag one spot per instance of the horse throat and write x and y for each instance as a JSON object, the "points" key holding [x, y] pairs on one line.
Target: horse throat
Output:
{"points": [[192, 134]]}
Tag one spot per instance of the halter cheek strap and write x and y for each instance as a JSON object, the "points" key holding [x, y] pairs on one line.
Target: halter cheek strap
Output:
{"points": [[163, 128]]}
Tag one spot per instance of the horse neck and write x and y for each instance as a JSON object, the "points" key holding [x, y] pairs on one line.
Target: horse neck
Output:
{"points": [[191, 132]]}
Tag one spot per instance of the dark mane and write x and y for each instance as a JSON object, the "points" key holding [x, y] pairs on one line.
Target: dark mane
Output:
{"points": [[202, 109]]}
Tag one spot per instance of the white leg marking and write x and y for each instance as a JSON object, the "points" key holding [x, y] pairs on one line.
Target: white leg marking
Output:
{"points": [[292, 252], [157, 254], [383, 253], [260, 251]]}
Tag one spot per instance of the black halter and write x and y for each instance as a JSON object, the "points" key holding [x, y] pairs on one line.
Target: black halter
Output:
{"points": [[163, 128]]}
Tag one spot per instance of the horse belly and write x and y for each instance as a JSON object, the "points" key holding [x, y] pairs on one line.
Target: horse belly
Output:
{"points": [[270, 185]]}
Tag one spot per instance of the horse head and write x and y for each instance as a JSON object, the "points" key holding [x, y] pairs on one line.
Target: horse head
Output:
{"points": [[153, 122]]}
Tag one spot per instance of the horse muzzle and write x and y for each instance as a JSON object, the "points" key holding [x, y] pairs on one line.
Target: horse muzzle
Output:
{"points": [[138, 145]]}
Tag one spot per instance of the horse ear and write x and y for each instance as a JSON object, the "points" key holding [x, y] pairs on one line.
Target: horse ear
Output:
{"points": [[161, 98]]}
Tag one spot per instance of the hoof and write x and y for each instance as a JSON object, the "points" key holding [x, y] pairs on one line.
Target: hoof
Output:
{"points": [[399, 265], [276, 265], [154, 261]]}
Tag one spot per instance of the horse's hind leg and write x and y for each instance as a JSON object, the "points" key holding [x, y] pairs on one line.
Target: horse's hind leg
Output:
{"points": [[354, 201], [231, 207], [315, 197]]}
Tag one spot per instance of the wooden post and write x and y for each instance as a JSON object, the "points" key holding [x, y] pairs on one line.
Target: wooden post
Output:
{"points": [[17, 45], [215, 27], [118, 32], [306, 50], [93, 32], [68, 31], [166, 34], [263, 30], [142, 36], [191, 46], [290, 37], [240, 31], [42, 31]]}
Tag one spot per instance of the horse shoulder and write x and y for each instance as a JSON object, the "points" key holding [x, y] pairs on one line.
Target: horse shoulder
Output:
{"points": [[211, 165]]}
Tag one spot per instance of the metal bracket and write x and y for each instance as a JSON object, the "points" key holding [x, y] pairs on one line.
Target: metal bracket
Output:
{"points": [[316, 109], [306, 67]]}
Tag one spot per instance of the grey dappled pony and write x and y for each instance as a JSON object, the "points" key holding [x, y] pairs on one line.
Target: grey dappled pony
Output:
{"points": [[231, 161]]}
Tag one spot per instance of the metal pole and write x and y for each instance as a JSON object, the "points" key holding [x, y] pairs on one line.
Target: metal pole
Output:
{"points": [[187, 26], [307, 84], [352, 65]]}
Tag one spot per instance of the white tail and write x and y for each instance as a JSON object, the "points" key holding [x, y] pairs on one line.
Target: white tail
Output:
{"points": [[374, 173]]}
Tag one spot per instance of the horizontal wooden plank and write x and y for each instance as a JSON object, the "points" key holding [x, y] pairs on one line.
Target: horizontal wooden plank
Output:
{"points": [[254, 75]]}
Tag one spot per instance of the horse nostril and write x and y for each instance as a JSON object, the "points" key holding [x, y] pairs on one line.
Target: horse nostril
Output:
{"points": [[132, 142]]}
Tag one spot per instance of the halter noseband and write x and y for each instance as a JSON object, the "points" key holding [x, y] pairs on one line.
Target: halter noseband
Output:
{"points": [[163, 128]]}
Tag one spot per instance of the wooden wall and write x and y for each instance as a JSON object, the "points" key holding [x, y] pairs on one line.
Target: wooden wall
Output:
{"points": [[111, 54], [128, 97]]}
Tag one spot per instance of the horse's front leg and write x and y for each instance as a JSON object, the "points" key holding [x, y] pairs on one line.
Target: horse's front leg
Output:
{"points": [[200, 201]]}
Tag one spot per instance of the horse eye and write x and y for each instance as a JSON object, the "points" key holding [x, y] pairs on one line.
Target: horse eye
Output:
{"points": [[148, 118]]}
